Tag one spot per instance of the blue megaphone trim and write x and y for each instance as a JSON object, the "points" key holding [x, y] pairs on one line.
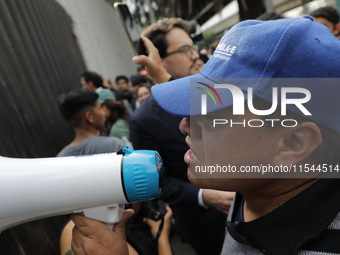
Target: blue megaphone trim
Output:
{"points": [[141, 174]]}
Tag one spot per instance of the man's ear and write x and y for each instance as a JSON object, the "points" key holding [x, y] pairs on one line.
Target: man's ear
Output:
{"points": [[91, 85], [164, 63], [337, 27], [88, 116], [297, 143]]}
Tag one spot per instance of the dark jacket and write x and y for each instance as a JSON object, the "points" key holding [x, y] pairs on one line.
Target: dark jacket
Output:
{"points": [[153, 128]]}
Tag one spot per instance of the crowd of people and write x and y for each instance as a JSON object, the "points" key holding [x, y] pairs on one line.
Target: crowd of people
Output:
{"points": [[107, 115], [267, 216]]}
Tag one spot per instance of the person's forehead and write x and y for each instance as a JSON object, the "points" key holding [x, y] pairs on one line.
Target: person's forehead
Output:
{"points": [[176, 38], [323, 20], [121, 81], [141, 90]]}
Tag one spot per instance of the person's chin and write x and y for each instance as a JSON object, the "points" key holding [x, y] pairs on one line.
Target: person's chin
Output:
{"points": [[194, 71], [195, 68], [199, 182], [194, 180]]}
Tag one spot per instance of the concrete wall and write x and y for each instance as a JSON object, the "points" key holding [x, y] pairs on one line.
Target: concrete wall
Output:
{"points": [[39, 60], [102, 39]]}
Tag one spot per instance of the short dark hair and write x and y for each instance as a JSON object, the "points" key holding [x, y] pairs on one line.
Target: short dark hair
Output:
{"points": [[117, 111], [144, 86], [138, 79], [157, 31], [73, 104], [94, 77], [122, 77], [328, 13], [203, 57], [270, 16], [140, 68]]}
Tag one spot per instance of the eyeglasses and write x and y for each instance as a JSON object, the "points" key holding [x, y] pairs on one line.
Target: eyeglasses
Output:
{"points": [[186, 49]]}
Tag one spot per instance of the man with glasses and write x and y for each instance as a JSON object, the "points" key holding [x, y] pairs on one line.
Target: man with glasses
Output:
{"points": [[168, 53], [177, 56]]}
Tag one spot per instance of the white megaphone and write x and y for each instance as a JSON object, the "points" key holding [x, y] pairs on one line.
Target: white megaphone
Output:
{"points": [[98, 185]]}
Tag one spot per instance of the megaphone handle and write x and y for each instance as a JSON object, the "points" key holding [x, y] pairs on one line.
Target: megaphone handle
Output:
{"points": [[109, 226], [109, 214]]}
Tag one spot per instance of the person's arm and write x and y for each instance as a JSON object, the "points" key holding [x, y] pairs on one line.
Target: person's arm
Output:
{"points": [[141, 133], [176, 191], [163, 241], [152, 63], [66, 239], [219, 200], [92, 237]]}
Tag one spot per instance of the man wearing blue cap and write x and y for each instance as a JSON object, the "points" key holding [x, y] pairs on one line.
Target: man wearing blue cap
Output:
{"points": [[264, 122]]}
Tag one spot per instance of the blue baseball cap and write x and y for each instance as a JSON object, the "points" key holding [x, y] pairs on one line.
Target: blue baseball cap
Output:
{"points": [[263, 55]]}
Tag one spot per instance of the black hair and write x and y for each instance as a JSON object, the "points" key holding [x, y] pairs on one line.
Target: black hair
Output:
{"points": [[270, 16], [156, 32], [138, 79], [122, 77], [140, 68], [328, 13], [117, 111], [203, 57], [73, 104], [94, 77]]}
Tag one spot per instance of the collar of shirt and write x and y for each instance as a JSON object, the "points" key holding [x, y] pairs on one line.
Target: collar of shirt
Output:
{"points": [[286, 229]]}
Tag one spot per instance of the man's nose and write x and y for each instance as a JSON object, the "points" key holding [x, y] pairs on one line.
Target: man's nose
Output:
{"points": [[184, 126], [195, 55]]}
